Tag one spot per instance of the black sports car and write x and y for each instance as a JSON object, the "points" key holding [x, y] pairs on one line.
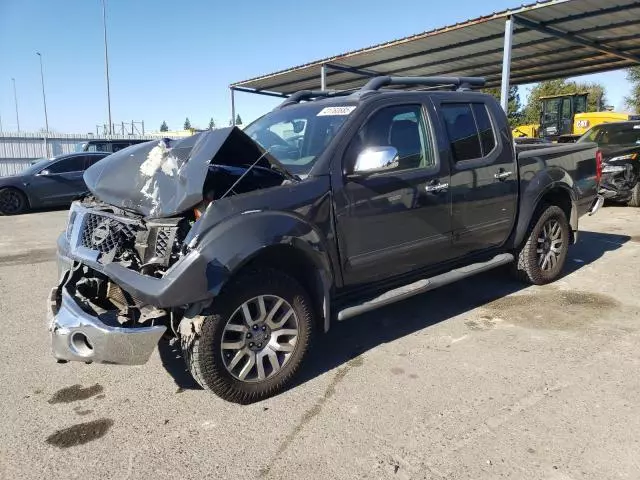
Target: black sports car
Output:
{"points": [[47, 182]]}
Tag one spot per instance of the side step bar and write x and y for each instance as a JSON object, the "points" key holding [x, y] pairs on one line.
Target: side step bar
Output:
{"points": [[424, 285]]}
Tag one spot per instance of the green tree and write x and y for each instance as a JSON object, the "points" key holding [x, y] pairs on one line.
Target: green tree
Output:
{"points": [[187, 124], [515, 106], [595, 100], [238, 120], [212, 124], [164, 127], [633, 100]]}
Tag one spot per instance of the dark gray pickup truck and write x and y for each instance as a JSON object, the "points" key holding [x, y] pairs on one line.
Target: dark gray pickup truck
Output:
{"points": [[242, 245]]}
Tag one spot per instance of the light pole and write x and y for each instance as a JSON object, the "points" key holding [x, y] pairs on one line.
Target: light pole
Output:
{"points": [[44, 98], [15, 99], [106, 62]]}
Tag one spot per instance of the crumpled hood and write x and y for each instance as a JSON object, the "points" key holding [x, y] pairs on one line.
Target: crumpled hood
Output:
{"points": [[159, 181]]}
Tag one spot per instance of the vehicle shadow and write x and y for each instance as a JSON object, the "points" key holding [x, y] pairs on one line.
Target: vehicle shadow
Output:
{"points": [[349, 339]]}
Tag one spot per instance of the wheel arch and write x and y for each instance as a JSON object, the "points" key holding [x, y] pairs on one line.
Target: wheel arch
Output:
{"points": [[302, 268], [271, 240], [555, 193]]}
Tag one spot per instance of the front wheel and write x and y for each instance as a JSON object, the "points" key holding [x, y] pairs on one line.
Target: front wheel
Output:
{"points": [[253, 343], [541, 258], [12, 201]]}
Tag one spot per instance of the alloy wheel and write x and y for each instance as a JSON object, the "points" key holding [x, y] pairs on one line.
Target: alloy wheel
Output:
{"points": [[259, 338], [10, 201], [549, 245]]}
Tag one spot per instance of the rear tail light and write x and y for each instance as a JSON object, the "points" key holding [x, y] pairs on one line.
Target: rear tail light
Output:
{"points": [[598, 165]]}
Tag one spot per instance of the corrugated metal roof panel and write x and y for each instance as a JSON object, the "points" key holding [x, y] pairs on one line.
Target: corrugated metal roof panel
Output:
{"points": [[475, 47]]}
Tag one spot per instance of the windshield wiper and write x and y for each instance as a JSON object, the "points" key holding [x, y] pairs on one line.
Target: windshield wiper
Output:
{"points": [[246, 172]]}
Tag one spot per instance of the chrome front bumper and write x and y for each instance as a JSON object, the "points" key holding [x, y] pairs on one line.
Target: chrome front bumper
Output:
{"points": [[79, 336]]}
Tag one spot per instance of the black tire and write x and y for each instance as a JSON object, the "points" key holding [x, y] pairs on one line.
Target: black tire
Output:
{"points": [[634, 201], [12, 201], [203, 355], [528, 266]]}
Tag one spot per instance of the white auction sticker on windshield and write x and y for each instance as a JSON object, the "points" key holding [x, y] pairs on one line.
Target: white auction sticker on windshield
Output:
{"points": [[344, 110]]}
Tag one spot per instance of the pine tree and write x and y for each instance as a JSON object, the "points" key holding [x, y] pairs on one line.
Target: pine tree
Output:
{"points": [[212, 124], [164, 127], [187, 124], [514, 106], [238, 120]]}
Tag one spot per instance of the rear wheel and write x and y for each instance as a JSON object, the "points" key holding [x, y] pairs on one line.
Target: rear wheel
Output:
{"points": [[541, 258], [254, 342], [12, 201], [634, 201]]}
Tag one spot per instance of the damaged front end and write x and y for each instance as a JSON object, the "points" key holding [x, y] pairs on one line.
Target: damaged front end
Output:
{"points": [[126, 274], [620, 175]]}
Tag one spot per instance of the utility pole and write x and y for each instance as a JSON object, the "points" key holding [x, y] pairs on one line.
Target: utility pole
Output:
{"points": [[44, 98], [15, 99], [106, 63]]}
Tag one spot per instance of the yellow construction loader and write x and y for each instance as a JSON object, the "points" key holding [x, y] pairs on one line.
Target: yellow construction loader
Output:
{"points": [[564, 118]]}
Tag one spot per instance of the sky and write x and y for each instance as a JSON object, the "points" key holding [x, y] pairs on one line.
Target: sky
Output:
{"points": [[171, 60]]}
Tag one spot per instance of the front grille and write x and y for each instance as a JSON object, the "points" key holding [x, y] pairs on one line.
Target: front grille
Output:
{"points": [[162, 242], [105, 234]]}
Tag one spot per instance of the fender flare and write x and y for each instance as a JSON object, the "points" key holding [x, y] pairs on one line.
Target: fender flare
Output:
{"points": [[537, 188], [236, 242]]}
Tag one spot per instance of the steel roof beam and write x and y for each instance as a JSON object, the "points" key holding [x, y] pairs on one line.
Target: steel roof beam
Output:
{"points": [[575, 38], [355, 70], [259, 92]]}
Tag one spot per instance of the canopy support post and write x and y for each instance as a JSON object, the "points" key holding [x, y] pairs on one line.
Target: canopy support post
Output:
{"points": [[233, 107], [506, 64], [323, 77]]}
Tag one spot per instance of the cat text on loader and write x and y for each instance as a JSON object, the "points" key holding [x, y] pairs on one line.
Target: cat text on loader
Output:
{"points": [[564, 118]]}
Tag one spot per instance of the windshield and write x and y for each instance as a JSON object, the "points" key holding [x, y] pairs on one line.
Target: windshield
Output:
{"points": [[622, 134], [35, 166], [297, 135]]}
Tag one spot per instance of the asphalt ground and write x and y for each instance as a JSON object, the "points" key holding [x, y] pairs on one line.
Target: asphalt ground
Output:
{"points": [[481, 379]]}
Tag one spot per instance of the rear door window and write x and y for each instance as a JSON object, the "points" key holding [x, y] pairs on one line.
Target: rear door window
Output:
{"points": [[471, 134], [462, 131], [485, 129], [92, 159]]}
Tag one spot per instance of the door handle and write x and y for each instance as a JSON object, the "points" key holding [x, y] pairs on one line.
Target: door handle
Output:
{"points": [[502, 175], [436, 188]]}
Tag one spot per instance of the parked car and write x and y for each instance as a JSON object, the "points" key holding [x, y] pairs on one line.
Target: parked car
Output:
{"points": [[242, 245], [619, 144], [110, 146], [46, 182]]}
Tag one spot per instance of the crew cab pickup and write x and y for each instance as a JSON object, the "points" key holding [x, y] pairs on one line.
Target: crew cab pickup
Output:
{"points": [[244, 245]]}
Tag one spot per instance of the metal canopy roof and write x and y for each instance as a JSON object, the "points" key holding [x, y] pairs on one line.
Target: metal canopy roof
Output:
{"points": [[551, 39]]}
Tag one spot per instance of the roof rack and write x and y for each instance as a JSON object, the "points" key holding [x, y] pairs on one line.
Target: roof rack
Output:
{"points": [[376, 83], [301, 95], [456, 83]]}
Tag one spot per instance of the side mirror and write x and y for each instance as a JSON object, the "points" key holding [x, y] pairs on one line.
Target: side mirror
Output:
{"points": [[376, 159], [45, 172]]}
